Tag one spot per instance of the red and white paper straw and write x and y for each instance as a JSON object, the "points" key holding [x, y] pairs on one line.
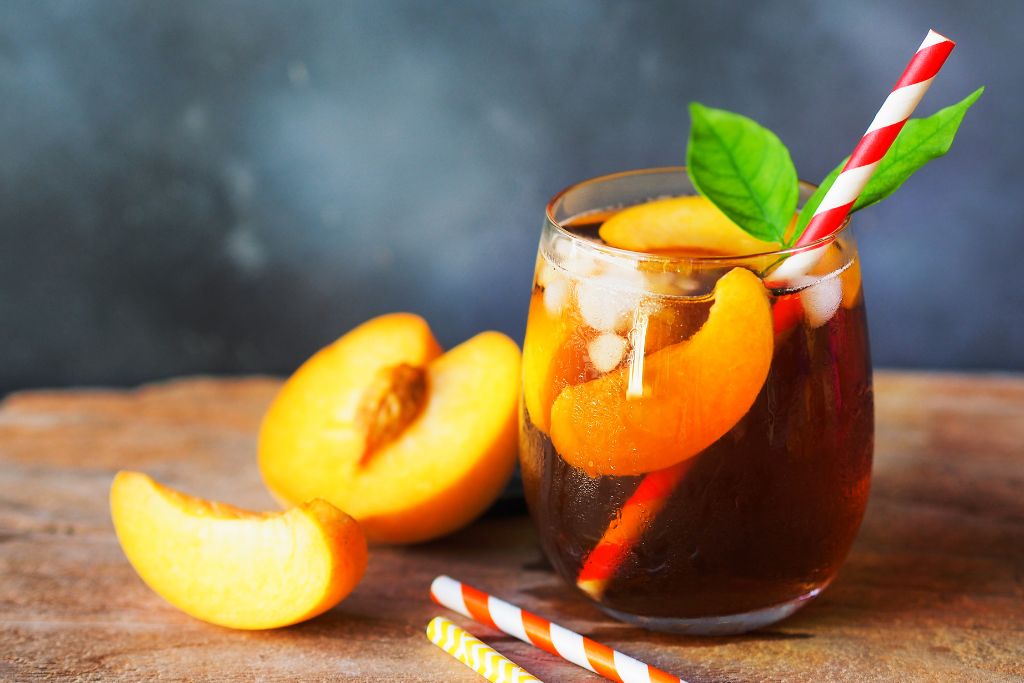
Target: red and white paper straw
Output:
{"points": [[548, 636], [888, 122], [628, 527], [626, 531]]}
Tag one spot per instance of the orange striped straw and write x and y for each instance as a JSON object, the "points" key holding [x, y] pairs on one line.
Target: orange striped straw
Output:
{"points": [[546, 635]]}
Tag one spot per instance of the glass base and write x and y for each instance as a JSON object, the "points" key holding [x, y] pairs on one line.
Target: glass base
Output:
{"points": [[727, 625]]}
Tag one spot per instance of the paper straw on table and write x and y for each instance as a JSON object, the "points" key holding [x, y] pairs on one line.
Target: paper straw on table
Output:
{"points": [[476, 655], [655, 488], [888, 122], [540, 632]]}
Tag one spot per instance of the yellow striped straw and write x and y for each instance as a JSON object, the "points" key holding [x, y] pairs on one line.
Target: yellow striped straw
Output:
{"points": [[474, 654]]}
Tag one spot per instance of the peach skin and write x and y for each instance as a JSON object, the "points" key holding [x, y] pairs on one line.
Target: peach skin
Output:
{"points": [[693, 391], [411, 443], [232, 567]]}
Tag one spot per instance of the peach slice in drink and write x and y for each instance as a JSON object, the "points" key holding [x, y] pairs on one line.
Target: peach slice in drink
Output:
{"points": [[554, 357], [689, 226], [693, 391], [558, 352]]}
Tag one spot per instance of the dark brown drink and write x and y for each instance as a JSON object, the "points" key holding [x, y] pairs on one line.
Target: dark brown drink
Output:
{"points": [[684, 473]]}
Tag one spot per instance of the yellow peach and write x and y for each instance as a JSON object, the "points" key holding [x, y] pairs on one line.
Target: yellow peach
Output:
{"points": [[554, 356], [232, 567], [693, 391], [412, 444], [682, 226]]}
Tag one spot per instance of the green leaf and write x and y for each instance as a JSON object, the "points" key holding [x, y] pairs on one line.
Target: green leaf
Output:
{"points": [[743, 169], [920, 141]]}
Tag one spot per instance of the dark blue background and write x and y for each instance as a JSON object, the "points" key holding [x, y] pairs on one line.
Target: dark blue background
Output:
{"points": [[226, 186]]}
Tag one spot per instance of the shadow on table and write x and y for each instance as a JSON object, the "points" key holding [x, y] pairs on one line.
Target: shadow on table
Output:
{"points": [[930, 548], [927, 550]]}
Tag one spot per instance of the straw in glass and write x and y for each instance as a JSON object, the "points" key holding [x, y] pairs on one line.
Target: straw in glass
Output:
{"points": [[888, 122], [636, 515]]}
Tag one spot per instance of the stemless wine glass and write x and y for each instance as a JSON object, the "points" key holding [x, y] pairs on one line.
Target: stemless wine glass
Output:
{"points": [[696, 440]]}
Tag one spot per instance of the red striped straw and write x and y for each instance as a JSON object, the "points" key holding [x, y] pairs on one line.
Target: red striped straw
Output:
{"points": [[655, 488], [888, 122], [548, 636], [628, 527]]}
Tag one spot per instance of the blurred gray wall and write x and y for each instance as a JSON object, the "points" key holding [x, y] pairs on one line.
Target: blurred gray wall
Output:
{"points": [[226, 186]]}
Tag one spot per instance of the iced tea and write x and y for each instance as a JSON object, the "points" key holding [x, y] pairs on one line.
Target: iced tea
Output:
{"points": [[696, 439]]}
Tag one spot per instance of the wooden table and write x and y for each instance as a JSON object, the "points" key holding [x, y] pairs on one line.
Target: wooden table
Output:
{"points": [[933, 590]]}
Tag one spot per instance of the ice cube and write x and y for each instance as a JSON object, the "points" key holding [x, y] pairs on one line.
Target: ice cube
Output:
{"points": [[576, 258], [821, 299], [546, 273], [672, 284], [687, 284], [606, 351], [607, 301], [661, 283], [562, 247], [556, 294]]}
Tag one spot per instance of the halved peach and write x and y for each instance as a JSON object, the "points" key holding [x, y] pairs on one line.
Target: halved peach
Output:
{"points": [[411, 444], [680, 225], [232, 567], [693, 391]]}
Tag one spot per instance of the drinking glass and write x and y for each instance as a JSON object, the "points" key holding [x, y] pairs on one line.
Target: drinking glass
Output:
{"points": [[696, 439]]}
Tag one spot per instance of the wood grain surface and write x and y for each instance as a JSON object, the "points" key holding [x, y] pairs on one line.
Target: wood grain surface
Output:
{"points": [[933, 590]]}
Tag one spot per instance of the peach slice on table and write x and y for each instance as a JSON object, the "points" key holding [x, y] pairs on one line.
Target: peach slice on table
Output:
{"points": [[232, 567], [680, 225], [412, 443], [693, 391]]}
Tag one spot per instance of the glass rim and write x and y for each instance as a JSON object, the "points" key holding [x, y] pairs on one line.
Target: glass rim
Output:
{"points": [[674, 258]]}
